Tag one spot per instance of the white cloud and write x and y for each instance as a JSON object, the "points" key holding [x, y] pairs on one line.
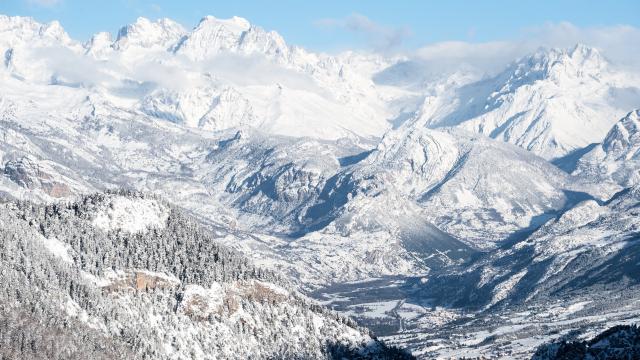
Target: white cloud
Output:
{"points": [[617, 43], [63, 66], [172, 75], [380, 37], [246, 70], [68, 66], [487, 57]]}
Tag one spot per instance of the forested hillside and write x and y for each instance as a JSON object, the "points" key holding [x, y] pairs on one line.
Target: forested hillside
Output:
{"points": [[90, 280]]}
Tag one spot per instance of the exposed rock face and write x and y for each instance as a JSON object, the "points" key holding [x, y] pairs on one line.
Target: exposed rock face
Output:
{"points": [[139, 280], [28, 173], [23, 172]]}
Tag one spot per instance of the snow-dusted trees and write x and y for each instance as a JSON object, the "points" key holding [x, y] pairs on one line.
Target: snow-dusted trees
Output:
{"points": [[73, 290], [182, 247]]}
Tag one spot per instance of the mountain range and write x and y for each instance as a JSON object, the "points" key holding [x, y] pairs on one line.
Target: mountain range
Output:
{"points": [[446, 213]]}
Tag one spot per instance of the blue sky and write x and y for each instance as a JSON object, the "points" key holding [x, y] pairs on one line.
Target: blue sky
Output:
{"points": [[331, 25]]}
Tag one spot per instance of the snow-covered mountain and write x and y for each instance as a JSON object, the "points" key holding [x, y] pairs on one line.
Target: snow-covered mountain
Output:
{"points": [[394, 196], [615, 160], [228, 73], [220, 75], [581, 260], [572, 277], [474, 188], [163, 34], [540, 101], [123, 274], [574, 251]]}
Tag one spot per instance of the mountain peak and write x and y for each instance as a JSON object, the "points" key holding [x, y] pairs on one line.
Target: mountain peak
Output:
{"points": [[235, 23], [99, 44], [22, 22], [146, 33], [583, 50], [588, 57], [26, 28], [212, 36], [53, 29], [623, 141], [559, 64]]}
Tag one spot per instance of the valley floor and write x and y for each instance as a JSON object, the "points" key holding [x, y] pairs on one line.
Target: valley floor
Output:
{"points": [[390, 308]]}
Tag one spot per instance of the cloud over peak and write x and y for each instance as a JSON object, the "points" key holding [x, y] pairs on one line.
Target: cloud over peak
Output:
{"points": [[380, 37]]}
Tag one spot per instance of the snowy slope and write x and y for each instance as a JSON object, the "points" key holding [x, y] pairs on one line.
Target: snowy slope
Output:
{"points": [[540, 101], [444, 201], [573, 276], [474, 188], [614, 160], [181, 304], [615, 342], [340, 171], [222, 74], [590, 248], [137, 215], [163, 33]]}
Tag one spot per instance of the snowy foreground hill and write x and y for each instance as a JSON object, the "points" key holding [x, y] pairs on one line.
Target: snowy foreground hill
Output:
{"points": [[456, 215], [127, 276]]}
